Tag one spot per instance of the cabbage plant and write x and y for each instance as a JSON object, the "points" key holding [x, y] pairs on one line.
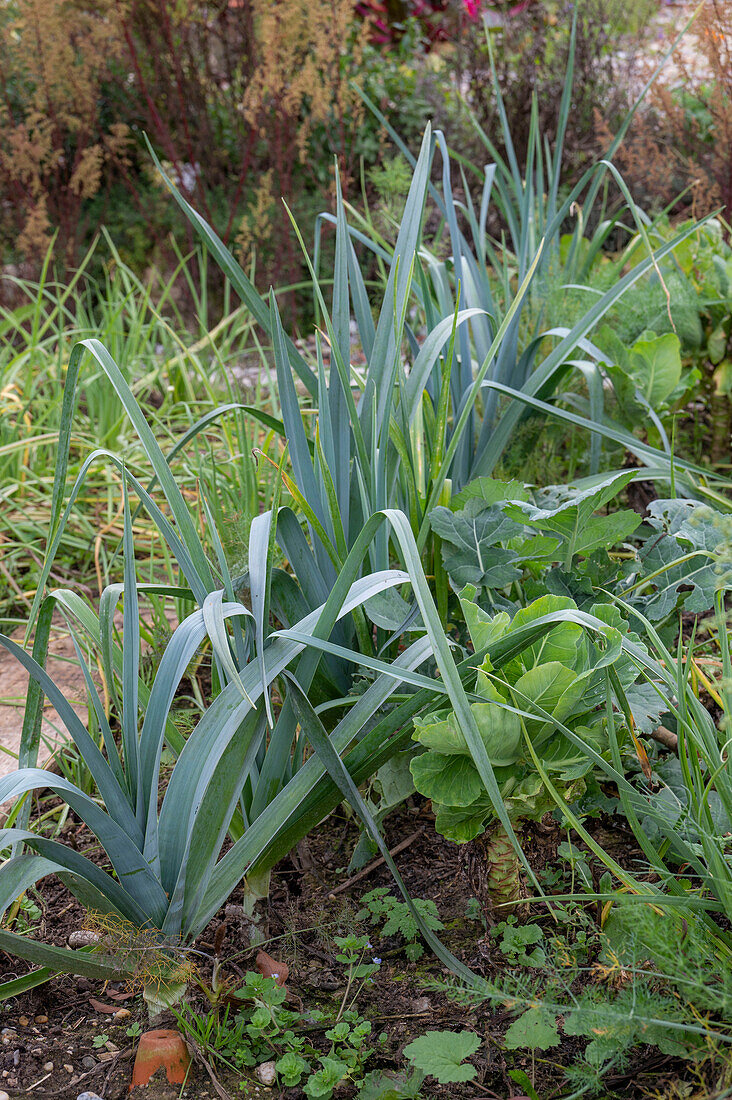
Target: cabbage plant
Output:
{"points": [[545, 690]]}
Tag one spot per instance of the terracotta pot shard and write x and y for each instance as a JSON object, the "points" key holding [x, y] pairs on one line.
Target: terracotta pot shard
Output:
{"points": [[271, 968], [160, 1049]]}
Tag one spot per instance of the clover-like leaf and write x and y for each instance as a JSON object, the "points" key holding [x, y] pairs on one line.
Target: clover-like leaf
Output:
{"points": [[290, 1068], [442, 1054]]}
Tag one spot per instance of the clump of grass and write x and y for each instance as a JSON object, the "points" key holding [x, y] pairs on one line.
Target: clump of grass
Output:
{"points": [[178, 366]]}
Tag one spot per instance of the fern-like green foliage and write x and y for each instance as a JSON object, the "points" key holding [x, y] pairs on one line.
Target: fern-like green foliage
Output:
{"points": [[658, 980], [379, 905]]}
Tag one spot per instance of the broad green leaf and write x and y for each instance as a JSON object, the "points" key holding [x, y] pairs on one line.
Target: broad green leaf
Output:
{"points": [[442, 1054], [568, 513], [655, 364], [688, 563], [500, 731], [648, 703], [535, 1029], [489, 491], [645, 374], [691, 521], [568, 762], [463, 824], [566, 642], [390, 611], [450, 780], [440, 732], [548, 683], [677, 579], [484, 629], [474, 555]]}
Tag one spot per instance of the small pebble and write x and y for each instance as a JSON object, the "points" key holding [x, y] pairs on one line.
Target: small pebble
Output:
{"points": [[8, 1035], [88, 1096], [88, 1062], [68, 1068], [4, 1096], [48, 1067], [83, 938], [266, 1073], [23, 1021], [41, 1019]]}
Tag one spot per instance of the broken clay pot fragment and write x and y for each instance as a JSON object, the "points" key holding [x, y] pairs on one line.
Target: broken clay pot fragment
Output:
{"points": [[161, 1049]]}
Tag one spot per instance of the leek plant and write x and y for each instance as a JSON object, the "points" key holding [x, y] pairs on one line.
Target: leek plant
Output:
{"points": [[420, 425], [548, 338], [244, 770], [165, 875]]}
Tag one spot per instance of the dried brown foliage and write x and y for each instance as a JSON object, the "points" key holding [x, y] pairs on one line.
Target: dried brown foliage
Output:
{"points": [[531, 50], [683, 139], [55, 146], [299, 85], [245, 100], [146, 956]]}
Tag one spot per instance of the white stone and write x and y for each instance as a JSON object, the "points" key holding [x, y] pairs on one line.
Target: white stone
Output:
{"points": [[266, 1073]]}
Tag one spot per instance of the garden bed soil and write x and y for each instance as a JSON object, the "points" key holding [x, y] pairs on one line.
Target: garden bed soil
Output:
{"points": [[54, 1045]]}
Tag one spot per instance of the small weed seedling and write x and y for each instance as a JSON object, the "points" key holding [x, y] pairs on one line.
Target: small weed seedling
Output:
{"points": [[261, 1029], [352, 954], [379, 905], [516, 939]]}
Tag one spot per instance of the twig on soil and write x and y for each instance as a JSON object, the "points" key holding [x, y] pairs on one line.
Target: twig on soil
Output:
{"points": [[666, 737], [121, 1054], [38, 1082], [376, 863], [198, 1055], [404, 1015]]}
